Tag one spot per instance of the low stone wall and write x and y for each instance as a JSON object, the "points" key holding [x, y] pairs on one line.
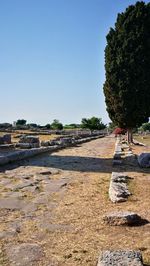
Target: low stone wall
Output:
{"points": [[5, 139], [23, 154]]}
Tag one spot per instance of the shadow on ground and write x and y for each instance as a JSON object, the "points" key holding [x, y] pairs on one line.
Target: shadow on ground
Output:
{"points": [[77, 163]]}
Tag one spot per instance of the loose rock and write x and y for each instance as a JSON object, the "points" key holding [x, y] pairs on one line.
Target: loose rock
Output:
{"points": [[122, 218]]}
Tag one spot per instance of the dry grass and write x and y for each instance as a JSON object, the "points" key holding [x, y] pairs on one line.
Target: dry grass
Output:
{"points": [[82, 208], [15, 139], [144, 139]]}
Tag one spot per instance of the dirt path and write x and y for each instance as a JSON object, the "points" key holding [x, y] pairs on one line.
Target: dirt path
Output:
{"points": [[55, 203]]}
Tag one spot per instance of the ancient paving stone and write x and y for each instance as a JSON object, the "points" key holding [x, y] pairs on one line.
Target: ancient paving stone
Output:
{"points": [[55, 227], [32, 189], [24, 254], [5, 181], [11, 204], [12, 230], [120, 258], [7, 234], [122, 218], [15, 226], [29, 209], [13, 194], [25, 184], [55, 186]]}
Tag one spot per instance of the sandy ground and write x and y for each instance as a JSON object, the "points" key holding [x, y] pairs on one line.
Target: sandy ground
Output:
{"points": [[57, 201]]}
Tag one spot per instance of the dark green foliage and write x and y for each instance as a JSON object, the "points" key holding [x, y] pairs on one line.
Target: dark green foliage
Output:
{"points": [[32, 125], [56, 125], [127, 64], [71, 126], [111, 126], [21, 122], [48, 126], [146, 126], [93, 123], [5, 125]]}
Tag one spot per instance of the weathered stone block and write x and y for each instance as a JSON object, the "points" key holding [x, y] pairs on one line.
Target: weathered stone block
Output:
{"points": [[122, 218], [118, 191], [25, 254], [120, 258]]}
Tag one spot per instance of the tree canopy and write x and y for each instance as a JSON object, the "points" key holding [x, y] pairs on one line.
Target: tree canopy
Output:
{"points": [[127, 64], [93, 123], [21, 122], [56, 125], [145, 127]]}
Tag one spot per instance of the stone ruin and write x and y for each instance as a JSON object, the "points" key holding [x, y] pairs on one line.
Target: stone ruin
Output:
{"points": [[28, 142], [5, 139], [120, 258]]}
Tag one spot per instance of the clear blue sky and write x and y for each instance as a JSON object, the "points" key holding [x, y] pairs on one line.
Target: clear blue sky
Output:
{"points": [[52, 58]]}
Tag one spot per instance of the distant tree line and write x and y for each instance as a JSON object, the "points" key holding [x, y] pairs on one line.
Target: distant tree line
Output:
{"points": [[93, 123]]}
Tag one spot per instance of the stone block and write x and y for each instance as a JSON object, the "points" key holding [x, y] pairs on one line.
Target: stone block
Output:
{"points": [[120, 258], [122, 218], [118, 191]]}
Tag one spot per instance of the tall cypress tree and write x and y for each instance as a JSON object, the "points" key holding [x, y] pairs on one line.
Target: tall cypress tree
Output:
{"points": [[127, 65]]}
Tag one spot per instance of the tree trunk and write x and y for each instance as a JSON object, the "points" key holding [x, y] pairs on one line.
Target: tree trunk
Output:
{"points": [[129, 135]]}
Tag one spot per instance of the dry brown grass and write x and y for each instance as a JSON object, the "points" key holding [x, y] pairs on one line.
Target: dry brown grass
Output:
{"points": [[144, 139], [15, 139], [82, 208]]}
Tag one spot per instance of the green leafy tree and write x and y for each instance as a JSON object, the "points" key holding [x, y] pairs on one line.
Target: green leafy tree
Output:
{"points": [[71, 126], [21, 122], [93, 123], [111, 127], [127, 64], [56, 125], [146, 126]]}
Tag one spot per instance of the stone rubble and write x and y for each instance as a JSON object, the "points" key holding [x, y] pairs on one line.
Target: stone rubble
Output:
{"points": [[36, 150]]}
